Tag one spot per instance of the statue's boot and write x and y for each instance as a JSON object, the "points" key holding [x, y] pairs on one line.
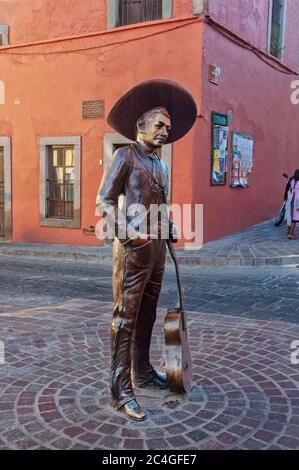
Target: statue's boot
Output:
{"points": [[133, 411]]}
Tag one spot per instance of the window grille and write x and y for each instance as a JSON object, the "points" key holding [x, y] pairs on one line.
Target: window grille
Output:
{"points": [[277, 20], [137, 11], [60, 182]]}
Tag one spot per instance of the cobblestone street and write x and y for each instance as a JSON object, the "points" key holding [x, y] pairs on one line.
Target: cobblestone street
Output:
{"points": [[55, 384], [55, 320], [143, 140], [269, 293]]}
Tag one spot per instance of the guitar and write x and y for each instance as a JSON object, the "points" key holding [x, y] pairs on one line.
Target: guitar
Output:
{"points": [[178, 357]]}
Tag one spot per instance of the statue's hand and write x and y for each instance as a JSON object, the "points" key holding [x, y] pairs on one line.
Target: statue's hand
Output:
{"points": [[174, 235]]}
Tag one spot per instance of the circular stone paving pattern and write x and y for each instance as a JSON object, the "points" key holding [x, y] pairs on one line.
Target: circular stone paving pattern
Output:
{"points": [[55, 394]]}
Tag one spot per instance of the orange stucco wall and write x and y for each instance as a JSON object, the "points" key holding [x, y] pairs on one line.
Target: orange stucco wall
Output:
{"points": [[46, 84], [36, 20]]}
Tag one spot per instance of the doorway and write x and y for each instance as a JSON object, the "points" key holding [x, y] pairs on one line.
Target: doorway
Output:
{"points": [[5, 189]]}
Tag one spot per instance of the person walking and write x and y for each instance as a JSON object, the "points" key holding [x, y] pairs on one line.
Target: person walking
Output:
{"points": [[292, 206]]}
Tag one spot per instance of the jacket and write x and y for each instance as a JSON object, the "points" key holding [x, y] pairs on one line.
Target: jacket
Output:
{"points": [[132, 175]]}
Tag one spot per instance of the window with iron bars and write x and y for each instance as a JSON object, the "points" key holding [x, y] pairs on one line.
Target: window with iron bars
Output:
{"points": [[137, 11], [4, 34], [60, 182]]}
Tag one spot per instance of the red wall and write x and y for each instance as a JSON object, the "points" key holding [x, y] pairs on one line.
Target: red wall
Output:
{"points": [[250, 20], [259, 97], [51, 85], [291, 52], [247, 18]]}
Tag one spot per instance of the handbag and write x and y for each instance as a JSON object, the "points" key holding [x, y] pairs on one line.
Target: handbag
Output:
{"points": [[295, 196]]}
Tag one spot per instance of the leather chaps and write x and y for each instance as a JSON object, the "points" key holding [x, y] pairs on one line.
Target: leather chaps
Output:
{"points": [[137, 280]]}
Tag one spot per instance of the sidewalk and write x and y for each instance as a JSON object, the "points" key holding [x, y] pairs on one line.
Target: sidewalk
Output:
{"points": [[260, 245], [55, 394]]}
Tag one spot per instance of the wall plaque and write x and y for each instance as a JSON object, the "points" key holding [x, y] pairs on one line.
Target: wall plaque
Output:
{"points": [[93, 109], [214, 74]]}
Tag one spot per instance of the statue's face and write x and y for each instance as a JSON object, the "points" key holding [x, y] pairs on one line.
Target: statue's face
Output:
{"points": [[156, 130]]}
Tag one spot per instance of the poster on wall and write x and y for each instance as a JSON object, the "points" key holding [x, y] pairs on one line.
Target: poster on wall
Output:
{"points": [[219, 155], [241, 160]]}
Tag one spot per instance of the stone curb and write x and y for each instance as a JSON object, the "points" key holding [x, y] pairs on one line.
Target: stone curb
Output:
{"points": [[104, 254]]}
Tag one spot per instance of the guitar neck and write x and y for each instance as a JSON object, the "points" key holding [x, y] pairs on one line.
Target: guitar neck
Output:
{"points": [[178, 279]]}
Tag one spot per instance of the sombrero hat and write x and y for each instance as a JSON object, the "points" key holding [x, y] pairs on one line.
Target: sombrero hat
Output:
{"points": [[151, 94]]}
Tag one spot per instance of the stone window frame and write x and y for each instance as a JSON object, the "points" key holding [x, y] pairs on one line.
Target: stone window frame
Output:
{"points": [[4, 34], [44, 143], [200, 7], [113, 138], [283, 30], [2, 92], [112, 6], [5, 142]]}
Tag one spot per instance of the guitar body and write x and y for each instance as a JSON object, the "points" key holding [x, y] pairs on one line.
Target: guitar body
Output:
{"points": [[178, 357]]}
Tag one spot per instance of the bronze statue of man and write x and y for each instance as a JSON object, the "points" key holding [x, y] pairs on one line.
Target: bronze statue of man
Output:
{"points": [[151, 114]]}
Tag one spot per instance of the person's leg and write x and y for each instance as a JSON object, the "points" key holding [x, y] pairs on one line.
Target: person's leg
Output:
{"points": [[292, 230], [131, 270], [142, 369]]}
